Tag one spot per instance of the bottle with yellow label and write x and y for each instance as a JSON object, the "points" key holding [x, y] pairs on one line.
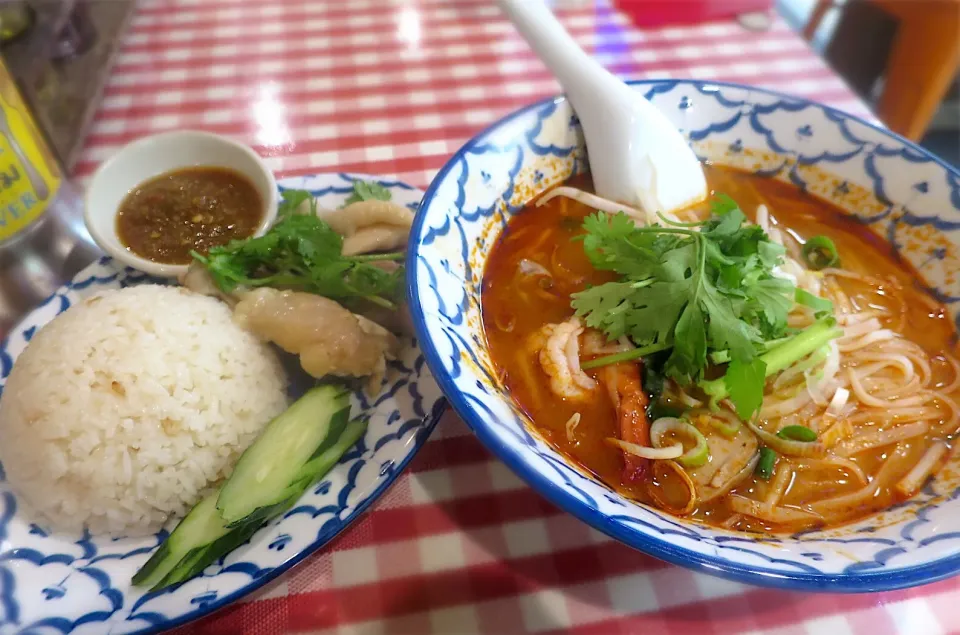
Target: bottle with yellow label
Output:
{"points": [[43, 241], [29, 176]]}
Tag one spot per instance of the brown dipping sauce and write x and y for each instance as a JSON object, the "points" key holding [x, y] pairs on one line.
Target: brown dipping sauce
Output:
{"points": [[194, 209]]}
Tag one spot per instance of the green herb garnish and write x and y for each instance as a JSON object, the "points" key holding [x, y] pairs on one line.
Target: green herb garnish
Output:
{"points": [[819, 253], [303, 253], [778, 358], [367, 191], [820, 306], [689, 292], [768, 460]]}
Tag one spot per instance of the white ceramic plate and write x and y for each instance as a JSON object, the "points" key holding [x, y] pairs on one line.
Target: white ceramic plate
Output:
{"points": [[81, 584]]}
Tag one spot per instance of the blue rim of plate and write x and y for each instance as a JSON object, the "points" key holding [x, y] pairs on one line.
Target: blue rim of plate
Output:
{"points": [[721, 567], [325, 539]]}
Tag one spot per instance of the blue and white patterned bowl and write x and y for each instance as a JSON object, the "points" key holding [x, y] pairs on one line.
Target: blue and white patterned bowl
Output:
{"points": [[51, 583], [904, 194]]}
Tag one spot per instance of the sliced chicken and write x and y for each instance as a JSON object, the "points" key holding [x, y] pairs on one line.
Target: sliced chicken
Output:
{"points": [[348, 220], [376, 238], [329, 339]]}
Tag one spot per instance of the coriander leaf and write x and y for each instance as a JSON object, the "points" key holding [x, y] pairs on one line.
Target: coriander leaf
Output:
{"points": [[726, 226], [689, 344], [605, 307], [687, 293], [368, 191], [612, 243], [745, 382], [302, 252], [290, 201], [771, 254], [722, 204], [654, 313], [727, 331], [769, 301], [821, 306]]}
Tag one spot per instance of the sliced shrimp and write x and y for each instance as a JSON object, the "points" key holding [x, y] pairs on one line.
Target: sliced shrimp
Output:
{"points": [[626, 394], [623, 381], [558, 349]]}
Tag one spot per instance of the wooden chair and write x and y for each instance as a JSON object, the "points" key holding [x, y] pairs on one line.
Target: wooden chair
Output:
{"points": [[921, 64]]}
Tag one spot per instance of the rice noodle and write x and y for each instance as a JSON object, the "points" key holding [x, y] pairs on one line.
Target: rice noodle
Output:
{"points": [[838, 402], [571, 426], [860, 328], [763, 218], [920, 472], [837, 432], [780, 515], [852, 275], [869, 400], [778, 485], [592, 200], [854, 344], [885, 360], [879, 438], [860, 498], [955, 367], [834, 461], [949, 425], [773, 409]]}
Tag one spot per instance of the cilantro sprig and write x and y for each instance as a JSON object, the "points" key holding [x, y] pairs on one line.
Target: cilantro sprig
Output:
{"points": [[698, 290], [304, 253], [367, 191]]}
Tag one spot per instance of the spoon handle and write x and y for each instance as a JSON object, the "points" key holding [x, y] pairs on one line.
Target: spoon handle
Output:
{"points": [[581, 76]]}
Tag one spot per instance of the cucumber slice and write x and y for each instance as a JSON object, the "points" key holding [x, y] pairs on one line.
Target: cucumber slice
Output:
{"points": [[200, 527], [197, 560], [312, 471], [269, 466], [203, 536], [200, 558]]}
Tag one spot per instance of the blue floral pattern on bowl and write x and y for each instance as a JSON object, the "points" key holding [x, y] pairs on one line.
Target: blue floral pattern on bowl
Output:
{"points": [[898, 190], [51, 583]]}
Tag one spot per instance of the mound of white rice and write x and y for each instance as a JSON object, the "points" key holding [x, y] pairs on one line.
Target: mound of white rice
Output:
{"points": [[123, 409]]}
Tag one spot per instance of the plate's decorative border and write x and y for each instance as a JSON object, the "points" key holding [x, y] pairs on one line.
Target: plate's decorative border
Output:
{"points": [[57, 584], [900, 191]]}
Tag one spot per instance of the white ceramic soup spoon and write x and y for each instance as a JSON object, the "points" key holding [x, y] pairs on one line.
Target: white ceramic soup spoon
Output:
{"points": [[637, 156]]}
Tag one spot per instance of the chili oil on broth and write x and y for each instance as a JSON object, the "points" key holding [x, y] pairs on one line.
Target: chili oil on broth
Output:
{"points": [[518, 298], [165, 218]]}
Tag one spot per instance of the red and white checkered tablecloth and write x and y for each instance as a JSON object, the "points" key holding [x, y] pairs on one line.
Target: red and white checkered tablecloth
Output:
{"points": [[394, 87]]}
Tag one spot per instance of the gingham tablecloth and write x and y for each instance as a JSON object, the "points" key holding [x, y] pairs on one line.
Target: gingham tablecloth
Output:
{"points": [[394, 87]]}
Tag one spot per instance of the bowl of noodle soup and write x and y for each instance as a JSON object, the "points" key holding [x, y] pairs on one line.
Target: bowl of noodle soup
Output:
{"points": [[763, 387]]}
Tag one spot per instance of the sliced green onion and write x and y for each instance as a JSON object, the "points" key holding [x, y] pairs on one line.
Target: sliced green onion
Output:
{"points": [[725, 422], [798, 433], [819, 253], [818, 304], [768, 459], [695, 456]]}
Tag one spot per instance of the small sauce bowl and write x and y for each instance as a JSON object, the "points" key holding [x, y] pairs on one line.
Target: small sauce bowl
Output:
{"points": [[159, 154]]}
